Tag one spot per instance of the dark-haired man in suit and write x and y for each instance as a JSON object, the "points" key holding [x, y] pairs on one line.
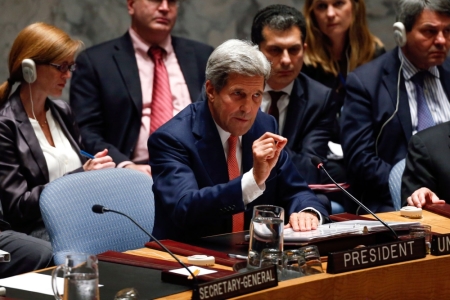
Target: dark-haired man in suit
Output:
{"points": [[391, 98], [125, 88], [426, 176], [302, 106]]}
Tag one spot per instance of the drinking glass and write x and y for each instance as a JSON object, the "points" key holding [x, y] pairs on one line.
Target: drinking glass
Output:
{"points": [[313, 263], [270, 256], [293, 262], [266, 231], [80, 272]]}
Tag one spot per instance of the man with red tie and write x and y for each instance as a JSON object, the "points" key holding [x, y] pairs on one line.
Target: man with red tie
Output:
{"points": [[218, 158], [126, 88]]}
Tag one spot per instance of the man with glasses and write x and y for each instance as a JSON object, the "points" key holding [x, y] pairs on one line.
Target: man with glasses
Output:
{"points": [[126, 88]]}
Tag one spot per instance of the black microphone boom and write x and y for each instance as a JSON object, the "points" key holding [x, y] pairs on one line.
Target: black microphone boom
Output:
{"points": [[100, 209], [318, 163]]}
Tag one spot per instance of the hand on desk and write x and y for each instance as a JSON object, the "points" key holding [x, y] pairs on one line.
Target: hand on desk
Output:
{"points": [[303, 221], [423, 196]]}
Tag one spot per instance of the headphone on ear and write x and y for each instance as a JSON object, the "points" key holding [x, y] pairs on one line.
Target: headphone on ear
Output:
{"points": [[29, 70], [399, 34]]}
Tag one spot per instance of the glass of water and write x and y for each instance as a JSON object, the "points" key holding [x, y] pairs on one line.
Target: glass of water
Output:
{"points": [[293, 262], [80, 273], [266, 231], [313, 263]]}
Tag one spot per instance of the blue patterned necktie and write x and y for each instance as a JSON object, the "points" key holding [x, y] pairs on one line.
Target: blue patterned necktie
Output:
{"points": [[424, 117]]}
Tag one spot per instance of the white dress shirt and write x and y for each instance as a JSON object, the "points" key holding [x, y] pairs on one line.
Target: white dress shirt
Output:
{"points": [[250, 190], [60, 159], [436, 98], [282, 103]]}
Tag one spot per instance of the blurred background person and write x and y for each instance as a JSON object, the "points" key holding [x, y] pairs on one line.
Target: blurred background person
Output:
{"points": [[142, 78], [39, 139], [338, 40]]}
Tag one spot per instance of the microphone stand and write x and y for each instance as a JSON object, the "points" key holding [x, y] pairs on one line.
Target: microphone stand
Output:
{"points": [[101, 209], [320, 166]]}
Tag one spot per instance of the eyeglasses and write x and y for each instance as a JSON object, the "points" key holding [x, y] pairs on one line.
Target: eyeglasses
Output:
{"points": [[64, 67], [170, 3]]}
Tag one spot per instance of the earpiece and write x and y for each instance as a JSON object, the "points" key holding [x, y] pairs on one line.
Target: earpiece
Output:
{"points": [[399, 34], [29, 70]]}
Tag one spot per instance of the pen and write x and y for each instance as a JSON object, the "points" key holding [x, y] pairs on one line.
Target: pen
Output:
{"points": [[237, 256], [87, 155], [196, 272]]}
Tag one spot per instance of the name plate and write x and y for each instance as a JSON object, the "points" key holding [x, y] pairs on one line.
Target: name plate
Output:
{"points": [[372, 256], [239, 284], [440, 244]]}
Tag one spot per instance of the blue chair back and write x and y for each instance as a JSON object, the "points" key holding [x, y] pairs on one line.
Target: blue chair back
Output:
{"points": [[66, 207], [395, 183]]}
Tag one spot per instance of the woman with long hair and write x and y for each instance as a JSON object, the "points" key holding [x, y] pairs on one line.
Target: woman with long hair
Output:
{"points": [[338, 41], [39, 140]]}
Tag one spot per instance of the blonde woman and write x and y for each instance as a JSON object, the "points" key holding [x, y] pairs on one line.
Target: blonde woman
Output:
{"points": [[338, 40]]}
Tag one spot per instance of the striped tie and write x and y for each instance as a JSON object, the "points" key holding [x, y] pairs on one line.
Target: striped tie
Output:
{"points": [[161, 106], [424, 117], [233, 172]]}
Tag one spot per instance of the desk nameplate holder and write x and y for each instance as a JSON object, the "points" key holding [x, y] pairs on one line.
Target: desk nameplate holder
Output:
{"points": [[440, 244], [236, 285], [378, 255]]}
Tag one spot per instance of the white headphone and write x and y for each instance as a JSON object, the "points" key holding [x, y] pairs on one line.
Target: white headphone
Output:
{"points": [[29, 70], [399, 34]]}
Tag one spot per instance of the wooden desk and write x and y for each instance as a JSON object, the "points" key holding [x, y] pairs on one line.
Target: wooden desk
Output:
{"points": [[418, 279]]}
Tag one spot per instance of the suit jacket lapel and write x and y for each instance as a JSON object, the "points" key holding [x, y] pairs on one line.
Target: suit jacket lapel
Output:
{"points": [[27, 131], [127, 65], [209, 145], [295, 111], [444, 75], [390, 79], [187, 60], [66, 128]]}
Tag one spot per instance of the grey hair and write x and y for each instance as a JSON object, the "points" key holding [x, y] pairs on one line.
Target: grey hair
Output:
{"points": [[235, 57], [409, 10]]}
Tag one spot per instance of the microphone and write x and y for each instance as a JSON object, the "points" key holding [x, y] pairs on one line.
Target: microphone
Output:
{"points": [[100, 209], [318, 163]]}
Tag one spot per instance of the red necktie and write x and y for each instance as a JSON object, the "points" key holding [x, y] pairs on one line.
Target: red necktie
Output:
{"points": [[233, 172], [161, 106]]}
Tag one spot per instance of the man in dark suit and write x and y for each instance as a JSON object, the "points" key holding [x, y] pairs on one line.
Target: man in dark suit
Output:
{"points": [[218, 158], [112, 91], [426, 177], [304, 110], [382, 110]]}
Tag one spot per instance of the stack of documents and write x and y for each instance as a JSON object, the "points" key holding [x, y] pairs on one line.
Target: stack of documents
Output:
{"points": [[342, 228]]}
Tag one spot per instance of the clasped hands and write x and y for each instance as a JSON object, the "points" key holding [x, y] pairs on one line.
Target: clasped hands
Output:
{"points": [[266, 151]]}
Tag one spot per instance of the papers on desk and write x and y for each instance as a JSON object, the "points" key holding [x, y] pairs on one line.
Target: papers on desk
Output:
{"points": [[342, 228], [183, 271], [33, 282]]}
